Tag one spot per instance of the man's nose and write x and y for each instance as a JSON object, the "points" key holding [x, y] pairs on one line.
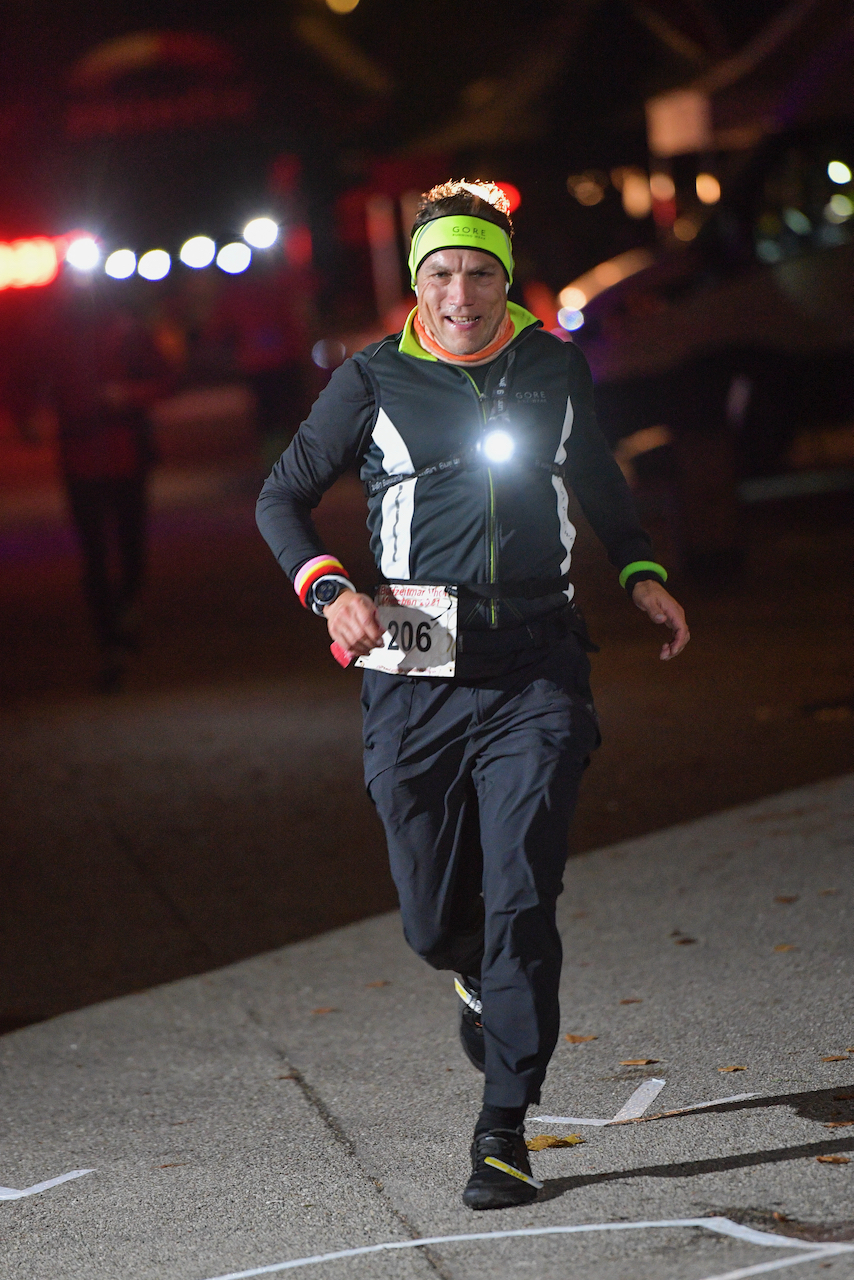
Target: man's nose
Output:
{"points": [[460, 291]]}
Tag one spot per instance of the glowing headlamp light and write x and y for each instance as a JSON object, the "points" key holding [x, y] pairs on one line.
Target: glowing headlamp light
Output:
{"points": [[498, 446]]}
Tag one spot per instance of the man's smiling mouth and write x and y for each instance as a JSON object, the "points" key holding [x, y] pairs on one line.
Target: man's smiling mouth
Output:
{"points": [[463, 322]]}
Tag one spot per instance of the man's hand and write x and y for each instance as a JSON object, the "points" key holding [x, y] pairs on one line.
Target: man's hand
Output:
{"points": [[354, 623], [660, 606]]}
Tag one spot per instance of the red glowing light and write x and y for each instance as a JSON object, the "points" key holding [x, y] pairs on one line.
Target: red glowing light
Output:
{"points": [[512, 193], [25, 264]]}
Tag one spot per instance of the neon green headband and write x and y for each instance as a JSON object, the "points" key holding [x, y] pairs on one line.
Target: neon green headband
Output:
{"points": [[460, 231]]}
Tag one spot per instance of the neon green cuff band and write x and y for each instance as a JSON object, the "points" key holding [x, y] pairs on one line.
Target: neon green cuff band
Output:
{"points": [[637, 566], [459, 231]]}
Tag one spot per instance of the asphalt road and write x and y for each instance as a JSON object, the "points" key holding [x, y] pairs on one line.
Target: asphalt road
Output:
{"points": [[314, 1100], [215, 810]]}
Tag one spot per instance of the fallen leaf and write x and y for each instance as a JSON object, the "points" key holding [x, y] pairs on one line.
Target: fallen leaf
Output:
{"points": [[826, 893], [786, 946], [174, 1122], [639, 1062], [633, 1000], [844, 1097], [732, 1068], [383, 982], [326, 1009], [850, 1049], [782, 897], [292, 1076], [580, 915], [544, 1140], [579, 1039], [836, 1057], [685, 942], [839, 1124], [181, 1164], [833, 1159], [779, 1217]]}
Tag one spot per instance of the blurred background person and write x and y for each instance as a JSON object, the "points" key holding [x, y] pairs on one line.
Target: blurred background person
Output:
{"points": [[102, 374]]}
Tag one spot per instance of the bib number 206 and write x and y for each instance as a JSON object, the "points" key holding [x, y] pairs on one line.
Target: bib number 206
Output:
{"points": [[405, 636], [419, 631]]}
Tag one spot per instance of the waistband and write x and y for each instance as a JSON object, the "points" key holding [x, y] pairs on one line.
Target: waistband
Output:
{"points": [[538, 633]]}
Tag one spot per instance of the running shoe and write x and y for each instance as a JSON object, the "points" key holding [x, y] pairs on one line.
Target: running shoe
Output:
{"points": [[501, 1171]]}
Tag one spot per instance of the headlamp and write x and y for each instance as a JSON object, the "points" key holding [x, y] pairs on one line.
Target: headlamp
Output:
{"points": [[498, 446]]}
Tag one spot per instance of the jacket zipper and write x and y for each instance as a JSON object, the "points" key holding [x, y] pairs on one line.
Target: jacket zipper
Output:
{"points": [[492, 565]]}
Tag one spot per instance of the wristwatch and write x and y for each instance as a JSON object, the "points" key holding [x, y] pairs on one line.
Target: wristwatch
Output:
{"points": [[327, 589]]}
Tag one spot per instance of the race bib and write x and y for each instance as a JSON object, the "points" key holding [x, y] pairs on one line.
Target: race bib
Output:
{"points": [[419, 631]]}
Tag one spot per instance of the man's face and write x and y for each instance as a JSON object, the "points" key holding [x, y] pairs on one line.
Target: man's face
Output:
{"points": [[461, 299]]}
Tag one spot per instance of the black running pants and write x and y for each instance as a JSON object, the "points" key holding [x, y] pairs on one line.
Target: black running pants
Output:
{"points": [[476, 786]]}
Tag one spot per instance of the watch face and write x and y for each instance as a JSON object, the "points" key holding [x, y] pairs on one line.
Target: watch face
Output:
{"points": [[326, 592]]}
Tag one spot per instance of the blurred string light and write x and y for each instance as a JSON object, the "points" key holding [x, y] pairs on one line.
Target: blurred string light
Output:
{"points": [[328, 353], [633, 186], [342, 6], [708, 188], [838, 209], [261, 233], [121, 264], [662, 187], [570, 319], [588, 187], [685, 229], [154, 265], [768, 251], [28, 263], [838, 172], [234, 258], [83, 254], [797, 222], [198, 252], [572, 298], [513, 194]]}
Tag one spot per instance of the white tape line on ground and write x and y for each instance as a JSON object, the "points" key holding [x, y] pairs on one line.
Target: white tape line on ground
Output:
{"points": [[9, 1193], [640, 1101], [642, 1098], [721, 1226], [761, 1268], [627, 1112]]}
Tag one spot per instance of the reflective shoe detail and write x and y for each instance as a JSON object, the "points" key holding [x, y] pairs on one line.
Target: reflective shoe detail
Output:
{"points": [[515, 1173], [468, 997], [471, 1025], [501, 1171]]}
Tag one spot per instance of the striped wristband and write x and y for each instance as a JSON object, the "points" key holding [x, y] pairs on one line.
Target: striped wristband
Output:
{"points": [[642, 566], [319, 567]]}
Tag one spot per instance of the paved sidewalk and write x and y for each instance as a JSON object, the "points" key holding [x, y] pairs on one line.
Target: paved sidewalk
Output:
{"points": [[315, 1099]]}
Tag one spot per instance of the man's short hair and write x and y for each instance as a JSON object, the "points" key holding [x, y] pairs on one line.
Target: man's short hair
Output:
{"points": [[478, 199]]}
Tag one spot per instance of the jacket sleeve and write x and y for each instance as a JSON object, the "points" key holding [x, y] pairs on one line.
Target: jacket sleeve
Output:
{"points": [[598, 483], [326, 444]]}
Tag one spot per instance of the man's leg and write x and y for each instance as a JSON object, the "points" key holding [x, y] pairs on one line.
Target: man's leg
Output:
{"points": [[418, 771], [532, 749], [89, 504]]}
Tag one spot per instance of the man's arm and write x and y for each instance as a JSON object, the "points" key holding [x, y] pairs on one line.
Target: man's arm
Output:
{"points": [[326, 444], [607, 502]]}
